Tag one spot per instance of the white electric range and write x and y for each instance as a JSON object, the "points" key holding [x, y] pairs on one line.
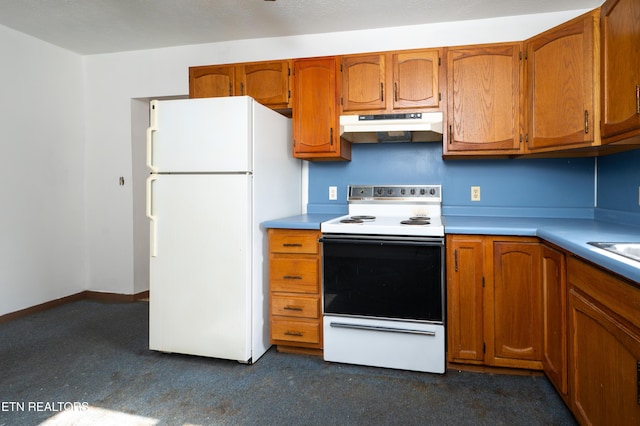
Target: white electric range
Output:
{"points": [[383, 279]]}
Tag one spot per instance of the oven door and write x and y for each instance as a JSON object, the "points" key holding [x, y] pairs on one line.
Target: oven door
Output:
{"points": [[384, 277]]}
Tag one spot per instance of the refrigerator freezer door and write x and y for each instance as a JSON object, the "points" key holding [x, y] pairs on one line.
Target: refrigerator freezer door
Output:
{"points": [[200, 289], [200, 135]]}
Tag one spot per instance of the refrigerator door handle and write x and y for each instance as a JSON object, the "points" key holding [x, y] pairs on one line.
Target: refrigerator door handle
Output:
{"points": [[152, 218], [153, 126]]}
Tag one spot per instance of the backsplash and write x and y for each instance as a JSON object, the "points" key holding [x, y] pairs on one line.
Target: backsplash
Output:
{"points": [[524, 187], [618, 183]]}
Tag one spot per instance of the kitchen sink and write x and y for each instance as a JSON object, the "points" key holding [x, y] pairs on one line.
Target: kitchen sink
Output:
{"points": [[630, 250]]}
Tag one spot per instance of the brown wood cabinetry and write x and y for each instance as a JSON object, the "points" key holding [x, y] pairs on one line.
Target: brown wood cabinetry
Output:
{"points": [[494, 301], [388, 82], [484, 98], [465, 298], [294, 284], [516, 294], [562, 88], [316, 129], [211, 81], [604, 346], [554, 318], [620, 75], [266, 82]]}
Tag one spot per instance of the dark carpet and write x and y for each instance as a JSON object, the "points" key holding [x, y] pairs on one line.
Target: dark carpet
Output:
{"points": [[88, 363]]}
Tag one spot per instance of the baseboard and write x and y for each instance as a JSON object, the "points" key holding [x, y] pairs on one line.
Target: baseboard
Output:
{"points": [[83, 295]]}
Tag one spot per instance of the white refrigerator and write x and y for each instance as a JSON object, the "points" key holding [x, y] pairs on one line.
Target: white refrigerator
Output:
{"points": [[219, 168]]}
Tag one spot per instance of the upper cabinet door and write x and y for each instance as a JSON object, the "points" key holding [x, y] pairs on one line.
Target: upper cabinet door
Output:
{"points": [[620, 27], [363, 82], [316, 130], [561, 65], [211, 81], [266, 82], [416, 79], [484, 99]]}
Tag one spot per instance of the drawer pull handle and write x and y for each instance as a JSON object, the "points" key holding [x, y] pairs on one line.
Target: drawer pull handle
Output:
{"points": [[292, 277], [293, 333], [292, 308], [291, 245]]}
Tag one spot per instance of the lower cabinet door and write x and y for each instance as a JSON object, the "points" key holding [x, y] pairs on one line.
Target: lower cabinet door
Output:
{"points": [[604, 365]]}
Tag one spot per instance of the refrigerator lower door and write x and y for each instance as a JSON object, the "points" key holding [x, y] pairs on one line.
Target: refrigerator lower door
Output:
{"points": [[200, 268]]}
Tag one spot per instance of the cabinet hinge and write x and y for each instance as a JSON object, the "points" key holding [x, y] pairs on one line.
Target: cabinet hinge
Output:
{"points": [[520, 55], [340, 67], [483, 282], [484, 348], [289, 94], [439, 61], [439, 96], [342, 101]]}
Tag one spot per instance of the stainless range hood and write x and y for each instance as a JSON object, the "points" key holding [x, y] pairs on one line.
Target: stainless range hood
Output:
{"points": [[378, 128]]}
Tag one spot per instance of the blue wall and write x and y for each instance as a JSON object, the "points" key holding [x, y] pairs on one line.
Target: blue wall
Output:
{"points": [[618, 182], [527, 187]]}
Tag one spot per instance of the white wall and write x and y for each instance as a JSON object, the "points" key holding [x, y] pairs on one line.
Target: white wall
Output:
{"points": [[113, 80], [42, 223]]}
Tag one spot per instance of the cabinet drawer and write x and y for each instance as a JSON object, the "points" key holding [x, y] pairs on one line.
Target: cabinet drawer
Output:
{"points": [[293, 241], [294, 275], [295, 331], [295, 306]]}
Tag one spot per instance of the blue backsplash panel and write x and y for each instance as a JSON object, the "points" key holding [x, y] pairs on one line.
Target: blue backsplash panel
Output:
{"points": [[534, 187], [618, 183]]}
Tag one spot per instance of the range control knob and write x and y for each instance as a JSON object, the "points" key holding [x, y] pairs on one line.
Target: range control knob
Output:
{"points": [[423, 191], [403, 191], [432, 191]]}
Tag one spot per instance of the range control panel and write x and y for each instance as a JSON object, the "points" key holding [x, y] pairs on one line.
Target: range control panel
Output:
{"points": [[404, 193]]}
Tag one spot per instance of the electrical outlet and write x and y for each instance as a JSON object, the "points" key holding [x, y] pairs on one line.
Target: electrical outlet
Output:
{"points": [[333, 192], [475, 193]]}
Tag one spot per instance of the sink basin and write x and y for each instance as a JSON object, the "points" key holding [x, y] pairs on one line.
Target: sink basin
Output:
{"points": [[630, 250]]}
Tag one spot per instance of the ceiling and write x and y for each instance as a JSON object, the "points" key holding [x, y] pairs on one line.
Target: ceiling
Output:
{"points": [[104, 26]]}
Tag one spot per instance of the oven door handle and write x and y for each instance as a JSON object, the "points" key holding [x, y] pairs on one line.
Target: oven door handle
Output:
{"points": [[381, 241], [381, 328]]}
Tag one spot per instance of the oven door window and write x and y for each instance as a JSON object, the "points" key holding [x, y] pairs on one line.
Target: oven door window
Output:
{"points": [[378, 278]]}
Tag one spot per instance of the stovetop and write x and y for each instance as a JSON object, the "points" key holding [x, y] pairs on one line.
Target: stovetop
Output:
{"points": [[408, 210]]}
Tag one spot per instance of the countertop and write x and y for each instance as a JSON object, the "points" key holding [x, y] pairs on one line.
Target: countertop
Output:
{"points": [[569, 234], [301, 221]]}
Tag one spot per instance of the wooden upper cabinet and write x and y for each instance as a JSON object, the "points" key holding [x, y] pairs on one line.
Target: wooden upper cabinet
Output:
{"points": [[211, 81], [416, 79], [484, 99], [266, 82], [562, 91], [363, 82], [620, 76], [387, 82], [316, 129]]}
